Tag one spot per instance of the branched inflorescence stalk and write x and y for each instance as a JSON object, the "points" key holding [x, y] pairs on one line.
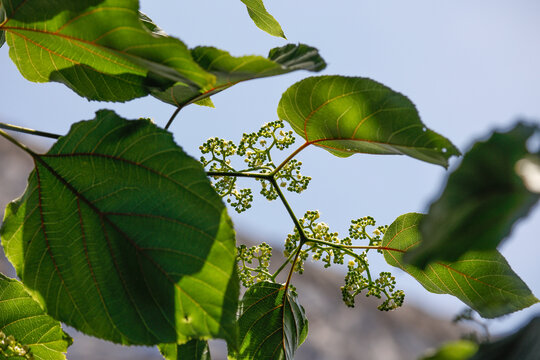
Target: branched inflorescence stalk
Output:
{"points": [[309, 236]]}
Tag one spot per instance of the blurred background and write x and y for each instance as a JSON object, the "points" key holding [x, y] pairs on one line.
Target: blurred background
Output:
{"points": [[469, 66]]}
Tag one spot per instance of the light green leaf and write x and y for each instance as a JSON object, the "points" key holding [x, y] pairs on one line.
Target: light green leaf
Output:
{"points": [[23, 318], [349, 115], [482, 280], [230, 70], [455, 350], [98, 48], [522, 345], [120, 235], [482, 200], [272, 324], [264, 21], [192, 350]]}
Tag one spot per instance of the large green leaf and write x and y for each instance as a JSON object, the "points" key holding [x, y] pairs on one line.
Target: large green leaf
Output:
{"points": [[230, 70], [262, 18], [481, 201], [99, 48], [192, 350], [523, 345], [348, 115], [120, 235], [23, 318], [272, 324], [482, 280]]}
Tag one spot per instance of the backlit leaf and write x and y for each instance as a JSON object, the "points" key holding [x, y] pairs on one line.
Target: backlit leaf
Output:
{"points": [[482, 280], [192, 350], [120, 235], [98, 48], [23, 318], [482, 200], [349, 115], [272, 324], [230, 70], [455, 350], [260, 16], [522, 345]]}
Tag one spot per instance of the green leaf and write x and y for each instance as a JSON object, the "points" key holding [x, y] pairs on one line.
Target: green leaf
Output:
{"points": [[98, 48], [482, 280], [272, 324], [230, 70], [481, 201], [192, 350], [264, 21], [455, 350], [2, 19], [349, 115], [23, 318], [523, 345], [120, 235]]}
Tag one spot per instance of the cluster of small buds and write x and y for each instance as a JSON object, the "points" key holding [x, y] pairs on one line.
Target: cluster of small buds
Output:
{"points": [[255, 149], [358, 231], [317, 231], [11, 349], [356, 282], [246, 256], [290, 177]]}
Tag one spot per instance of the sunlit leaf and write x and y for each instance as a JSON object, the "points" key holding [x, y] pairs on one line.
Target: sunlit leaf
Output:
{"points": [[23, 318], [230, 70], [455, 350], [192, 350], [481, 279], [120, 235], [260, 16], [482, 200], [349, 115], [98, 48], [272, 324], [523, 345]]}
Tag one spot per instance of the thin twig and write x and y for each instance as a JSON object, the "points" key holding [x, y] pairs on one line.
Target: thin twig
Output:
{"points": [[28, 131]]}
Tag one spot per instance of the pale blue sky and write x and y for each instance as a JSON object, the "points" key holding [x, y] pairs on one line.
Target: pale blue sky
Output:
{"points": [[468, 66]]}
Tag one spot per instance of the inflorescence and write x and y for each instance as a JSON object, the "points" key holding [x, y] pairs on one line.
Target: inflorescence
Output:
{"points": [[255, 149], [310, 237], [327, 247], [12, 349]]}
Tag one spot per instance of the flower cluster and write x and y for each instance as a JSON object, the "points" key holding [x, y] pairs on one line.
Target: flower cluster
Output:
{"points": [[327, 247], [246, 256], [356, 283], [255, 148], [11, 349]]}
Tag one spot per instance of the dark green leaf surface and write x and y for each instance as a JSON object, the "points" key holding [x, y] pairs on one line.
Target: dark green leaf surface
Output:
{"points": [[482, 200], [192, 350], [2, 19], [262, 18], [349, 115], [455, 350], [98, 48], [120, 235], [230, 70], [482, 280], [272, 324], [23, 318], [523, 345]]}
